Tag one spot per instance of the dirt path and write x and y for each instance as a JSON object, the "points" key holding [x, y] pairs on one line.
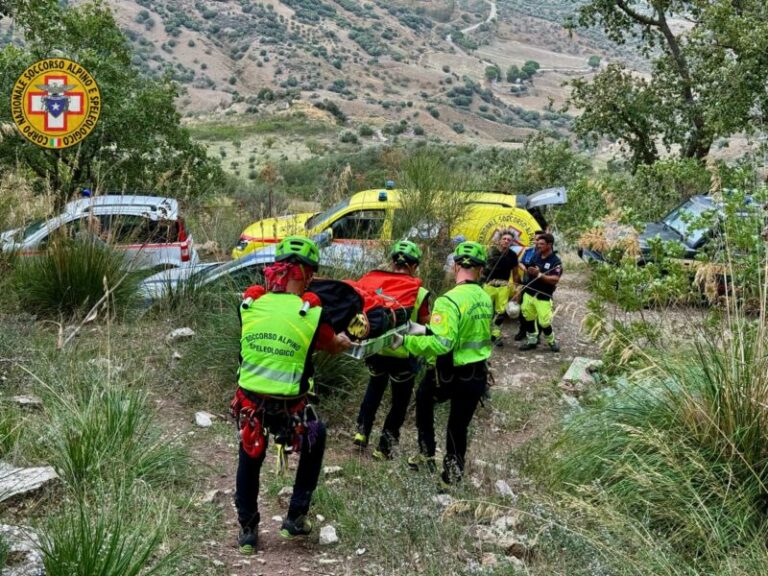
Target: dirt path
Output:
{"points": [[491, 17], [515, 373]]}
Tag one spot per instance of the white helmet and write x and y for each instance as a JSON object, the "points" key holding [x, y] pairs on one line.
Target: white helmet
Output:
{"points": [[513, 309]]}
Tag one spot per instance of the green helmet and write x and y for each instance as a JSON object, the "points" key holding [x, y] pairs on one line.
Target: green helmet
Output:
{"points": [[298, 248], [470, 254], [405, 252]]}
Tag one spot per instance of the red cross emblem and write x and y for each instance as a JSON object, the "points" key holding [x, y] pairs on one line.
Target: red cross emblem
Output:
{"points": [[56, 102]]}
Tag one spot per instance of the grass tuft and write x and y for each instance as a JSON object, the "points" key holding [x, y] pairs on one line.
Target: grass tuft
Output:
{"points": [[71, 277], [108, 537]]}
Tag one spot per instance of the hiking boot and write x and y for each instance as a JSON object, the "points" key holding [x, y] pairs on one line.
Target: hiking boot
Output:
{"points": [[381, 455], [527, 346], [248, 540], [554, 346], [300, 526], [498, 343], [416, 462], [521, 336], [361, 440]]}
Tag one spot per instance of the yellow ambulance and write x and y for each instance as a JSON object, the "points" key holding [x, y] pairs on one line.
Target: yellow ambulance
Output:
{"points": [[370, 217]]}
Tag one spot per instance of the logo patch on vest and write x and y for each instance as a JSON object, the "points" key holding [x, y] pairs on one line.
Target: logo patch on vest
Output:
{"points": [[436, 319]]}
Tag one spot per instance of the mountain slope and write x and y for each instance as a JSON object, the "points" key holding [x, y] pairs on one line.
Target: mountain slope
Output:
{"points": [[393, 64]]}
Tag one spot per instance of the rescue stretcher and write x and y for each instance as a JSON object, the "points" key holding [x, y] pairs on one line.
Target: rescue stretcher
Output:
{"points": [[370, 310]]}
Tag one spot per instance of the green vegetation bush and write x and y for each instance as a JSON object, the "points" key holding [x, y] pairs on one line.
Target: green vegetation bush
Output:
{"points": [[73, 276], [349, 137], [678, 449], [107, 536], [100, 430], [365, 131], [333, 108]]}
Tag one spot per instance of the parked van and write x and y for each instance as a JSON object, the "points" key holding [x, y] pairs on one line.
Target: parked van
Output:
{"points": [[369, 216], [148, 229]]}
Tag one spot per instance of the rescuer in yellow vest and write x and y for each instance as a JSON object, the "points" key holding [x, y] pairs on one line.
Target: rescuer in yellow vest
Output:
{"points": [[459, 338], [395, 367], [280, 331]]}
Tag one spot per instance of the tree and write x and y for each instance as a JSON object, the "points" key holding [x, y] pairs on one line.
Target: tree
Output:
{"points": [[530, 68], [138, 143], [492, 73], [594, 62], [707, 79], [620, 106], [514, 74]]}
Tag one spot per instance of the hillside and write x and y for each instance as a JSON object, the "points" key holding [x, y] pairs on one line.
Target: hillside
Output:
{"points": [[414, 67]]}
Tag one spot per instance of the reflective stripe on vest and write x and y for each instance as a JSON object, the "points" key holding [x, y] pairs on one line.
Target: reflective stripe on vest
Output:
{"points": [[402, 352], [274, 345], [473, 342]]}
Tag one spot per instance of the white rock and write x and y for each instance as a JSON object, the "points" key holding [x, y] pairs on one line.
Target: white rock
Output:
{"points": [[331, 470], [15, 481], [328, 536], [24, 547], [204, 419], [360, 551], [277, 518], [176, 355], [320, 518], [180, 334], [443, 500], [209, 496], [27, 401], [504, 490]]}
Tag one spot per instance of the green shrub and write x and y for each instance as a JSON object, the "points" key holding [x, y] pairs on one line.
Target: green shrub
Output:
{"points": [[365, 131], [348, 137], [99, 431], [678, 450], [110, 537], [71, 277]]}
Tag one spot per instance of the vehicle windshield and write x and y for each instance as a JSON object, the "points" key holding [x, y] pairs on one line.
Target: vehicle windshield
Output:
{"points": [[321, 217], [30, 229], [686, 221]]}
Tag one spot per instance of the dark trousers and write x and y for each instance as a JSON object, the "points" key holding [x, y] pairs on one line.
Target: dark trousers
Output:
{"points": [[464, 391], [307, 475], [401, 373]]}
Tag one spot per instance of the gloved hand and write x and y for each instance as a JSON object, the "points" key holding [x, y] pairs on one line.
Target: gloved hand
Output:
{"points": [[397, 341], [416, 329]]}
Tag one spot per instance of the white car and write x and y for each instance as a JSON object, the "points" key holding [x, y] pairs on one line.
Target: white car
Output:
{"points": [[237, 275], [148, 229]]}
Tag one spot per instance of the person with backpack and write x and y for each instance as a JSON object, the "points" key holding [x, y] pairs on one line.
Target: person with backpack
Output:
{"points": [[458, 338], [281, 328], [396, 368]]}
